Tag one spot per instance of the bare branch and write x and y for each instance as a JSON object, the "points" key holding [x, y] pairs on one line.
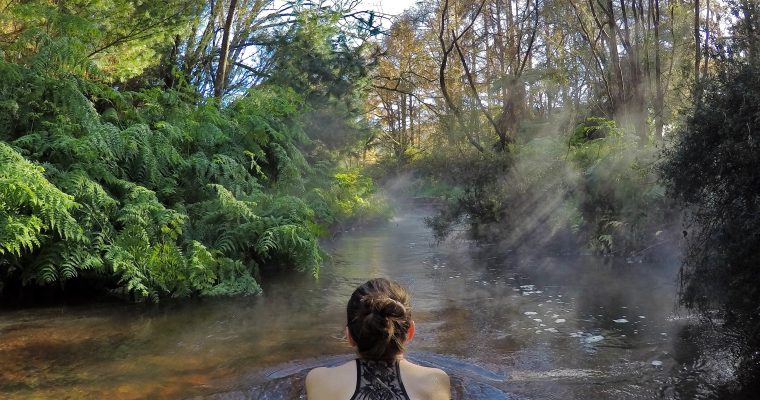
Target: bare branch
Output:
{"points": [[413, 95]]}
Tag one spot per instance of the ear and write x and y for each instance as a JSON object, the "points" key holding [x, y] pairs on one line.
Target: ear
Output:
{"points": [[410, 332], [350, 339]]}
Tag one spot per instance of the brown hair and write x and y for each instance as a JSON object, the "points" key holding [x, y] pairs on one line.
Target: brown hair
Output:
{"points": [[379, 317]]}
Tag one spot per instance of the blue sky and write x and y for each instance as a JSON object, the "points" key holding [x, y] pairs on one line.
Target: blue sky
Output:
{"points": [[393, 7]]}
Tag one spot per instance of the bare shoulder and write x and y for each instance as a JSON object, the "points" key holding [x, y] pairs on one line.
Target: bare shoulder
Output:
{"points": [[439, 384], [313, 387], [315, 375], [330, 383], [324, 372], [426, 382]]}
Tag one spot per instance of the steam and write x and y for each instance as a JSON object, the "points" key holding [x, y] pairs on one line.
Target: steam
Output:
{"points": [[563, 194]]}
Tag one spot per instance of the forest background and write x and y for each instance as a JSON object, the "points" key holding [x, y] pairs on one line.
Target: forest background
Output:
{"points": [[151, 150]]}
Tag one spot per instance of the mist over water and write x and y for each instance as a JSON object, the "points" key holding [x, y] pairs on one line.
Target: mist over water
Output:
{"points": [[503, 325]]}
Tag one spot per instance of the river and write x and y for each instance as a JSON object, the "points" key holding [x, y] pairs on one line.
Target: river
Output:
{"points": [[504, 326]]}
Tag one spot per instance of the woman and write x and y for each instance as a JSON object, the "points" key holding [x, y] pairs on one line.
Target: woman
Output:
{"points": [[379, 326]]}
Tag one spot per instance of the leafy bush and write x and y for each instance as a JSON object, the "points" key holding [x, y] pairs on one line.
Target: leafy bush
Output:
{"points": [[347, 196], [713, 168]]}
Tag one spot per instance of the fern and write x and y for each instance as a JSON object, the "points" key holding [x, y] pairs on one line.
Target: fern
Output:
{"points": [[235, 278], [202, 267], [239, 210], [30, 206], [149, 193], [60, 262]]}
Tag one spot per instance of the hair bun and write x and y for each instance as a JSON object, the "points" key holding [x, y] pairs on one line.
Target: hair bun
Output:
{"points": [[384, 305], [379, 318]]}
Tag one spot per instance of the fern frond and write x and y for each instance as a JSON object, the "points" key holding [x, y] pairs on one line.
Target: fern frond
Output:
{"points": [[30, 205]]}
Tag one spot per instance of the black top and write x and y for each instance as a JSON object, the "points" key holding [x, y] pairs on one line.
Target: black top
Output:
{"points": [[379, 380]]}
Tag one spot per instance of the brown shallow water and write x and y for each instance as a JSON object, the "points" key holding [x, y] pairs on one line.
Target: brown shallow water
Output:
{"points": [[503, 326]]}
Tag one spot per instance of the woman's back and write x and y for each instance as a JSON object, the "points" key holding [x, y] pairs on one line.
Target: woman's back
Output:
{"points": [[378, 380], [379, 324]]}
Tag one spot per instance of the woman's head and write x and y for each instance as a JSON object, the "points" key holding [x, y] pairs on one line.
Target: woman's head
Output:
{"points": [[380, 319]]}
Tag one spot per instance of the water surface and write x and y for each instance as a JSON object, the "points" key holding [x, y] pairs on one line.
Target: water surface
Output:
{"points": [[502, 325]]}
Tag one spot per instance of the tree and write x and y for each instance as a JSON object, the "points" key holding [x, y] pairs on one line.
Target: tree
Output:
{"points": [[220, 80], [713, 169], [121, 38], [231, 45], [225, 51], [401, 87]]}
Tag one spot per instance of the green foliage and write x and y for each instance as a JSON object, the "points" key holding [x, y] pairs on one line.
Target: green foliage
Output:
{"points": [[31, 207], [623, 199], [317, 58], [159, 193], [594, 130], [115, 39], [326, 59], [155, 196], [351, 192], [347, 197], [712, 167], [597, 188]]}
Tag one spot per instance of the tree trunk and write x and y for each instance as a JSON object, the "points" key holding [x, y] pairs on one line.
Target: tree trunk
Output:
{"points": [[638, 94], [659, 96], [445, 52], [697, 52], [706, 47], [403, 111], [221, 72], [410, 106]]}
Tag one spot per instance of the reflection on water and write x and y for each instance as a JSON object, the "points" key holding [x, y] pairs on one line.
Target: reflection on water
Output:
{"points": [[503, 326]]}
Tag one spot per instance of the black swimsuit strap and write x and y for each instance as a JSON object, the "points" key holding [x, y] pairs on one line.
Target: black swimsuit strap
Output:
{"points": [[358, 379], [379, 380]]}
